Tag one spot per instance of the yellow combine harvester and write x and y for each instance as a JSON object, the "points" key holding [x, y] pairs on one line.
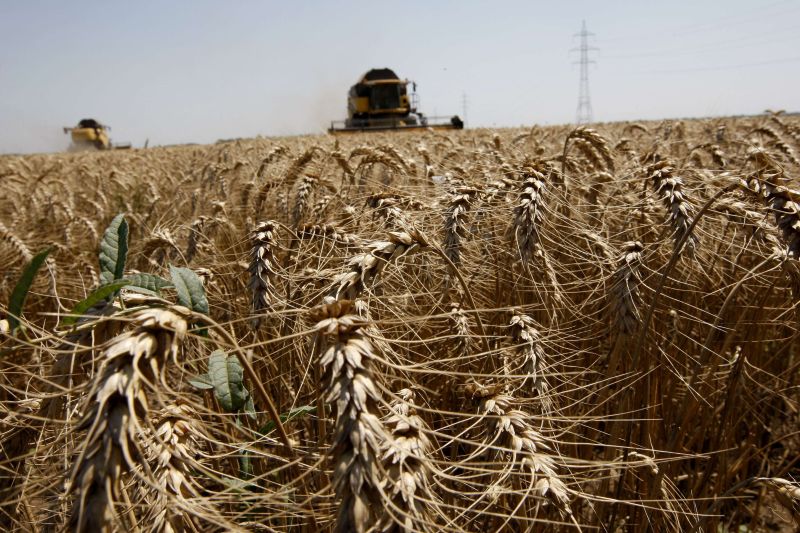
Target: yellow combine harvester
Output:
{"points": [[90, 134], [381, 101]]}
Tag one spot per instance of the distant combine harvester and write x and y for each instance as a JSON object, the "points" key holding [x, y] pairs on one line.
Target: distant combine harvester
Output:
{"points": [[92, 135], [381, 101]]}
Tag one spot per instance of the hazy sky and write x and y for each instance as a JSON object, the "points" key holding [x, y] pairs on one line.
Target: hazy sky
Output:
{"points": [[198, 71]]}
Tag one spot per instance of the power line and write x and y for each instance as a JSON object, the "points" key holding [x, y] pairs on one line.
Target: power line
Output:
{"points": [[583, 115], [711, 47], [748, 17], [726, 67]]}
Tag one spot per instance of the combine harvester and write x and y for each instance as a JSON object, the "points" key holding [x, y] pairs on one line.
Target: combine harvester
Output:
{"points": [[380, 101], [91, 135]]}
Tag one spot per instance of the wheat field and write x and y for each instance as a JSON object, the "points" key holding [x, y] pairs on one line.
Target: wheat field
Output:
{"points": [[544, 329]]}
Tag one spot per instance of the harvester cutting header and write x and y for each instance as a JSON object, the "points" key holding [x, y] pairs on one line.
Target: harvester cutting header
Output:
{"points": [[381, 101]]}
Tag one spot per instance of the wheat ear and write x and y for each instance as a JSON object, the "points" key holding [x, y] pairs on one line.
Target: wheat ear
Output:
{"points": [[528, 347], [787, 492], [459, 320], [624, 298], [597, 141], [364, 267], [133, 362], [784, 203], [345, 355], [171, 452], [529, 214], [15, 243], [454, 221], [514, 441], [306, 187], [262, 269], [679, 210], [406, 461]]}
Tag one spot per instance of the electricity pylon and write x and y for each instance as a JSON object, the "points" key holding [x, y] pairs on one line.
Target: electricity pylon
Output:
{"points": [[584, 112]]}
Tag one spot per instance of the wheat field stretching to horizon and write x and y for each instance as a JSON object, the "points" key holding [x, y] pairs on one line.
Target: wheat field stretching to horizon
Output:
{"points": [[535, 329]]}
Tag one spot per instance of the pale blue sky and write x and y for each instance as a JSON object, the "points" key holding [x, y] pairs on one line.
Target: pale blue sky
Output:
{"points": [[198, 71]]}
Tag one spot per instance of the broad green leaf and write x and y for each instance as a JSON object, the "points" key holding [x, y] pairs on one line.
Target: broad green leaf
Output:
{"points": [[20, 292], [190, 289], [285, 417], [114, 250], [227, 377], [148, 282], [202, 382], [99, 294]]}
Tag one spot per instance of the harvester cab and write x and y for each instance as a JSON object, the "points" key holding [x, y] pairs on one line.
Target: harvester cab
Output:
{"points": [[91, 134], [381, 101]]}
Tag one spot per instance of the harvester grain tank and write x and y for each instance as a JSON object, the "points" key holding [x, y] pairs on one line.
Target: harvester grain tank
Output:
{"points": [[90, 134], [381, 101]]}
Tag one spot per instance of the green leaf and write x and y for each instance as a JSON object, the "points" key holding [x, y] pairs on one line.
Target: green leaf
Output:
{"points": [[148, 282], [227, 377], [245, 465], [114, 250], [250, 407], [140, 290], [202, 382], [190, 289], [285, 417], [20, 292], [99, 294]]}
